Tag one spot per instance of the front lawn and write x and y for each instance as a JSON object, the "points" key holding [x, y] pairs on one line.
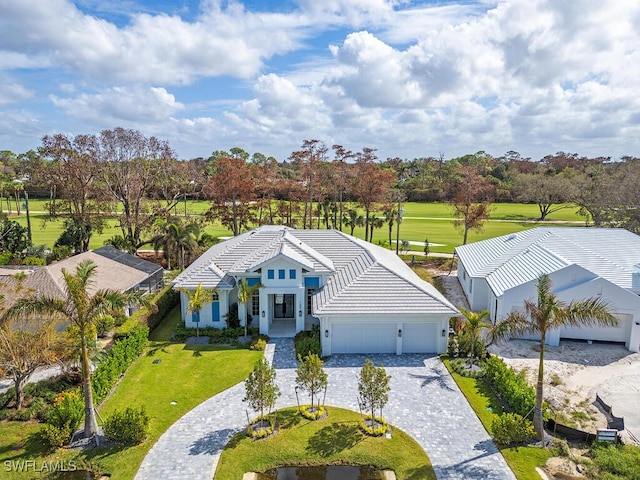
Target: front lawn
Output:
{"points": [[185, 374], [333, 440], [522, 460]]}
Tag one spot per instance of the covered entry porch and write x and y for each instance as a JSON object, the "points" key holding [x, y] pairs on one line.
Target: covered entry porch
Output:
{"points": [[283, 311]]}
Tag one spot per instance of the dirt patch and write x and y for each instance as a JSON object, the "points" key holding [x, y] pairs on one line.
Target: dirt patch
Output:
{"points": [[575, 372]]}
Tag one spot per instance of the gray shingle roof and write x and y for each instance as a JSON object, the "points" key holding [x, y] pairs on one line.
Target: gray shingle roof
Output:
{"points": [[362, 277], [510, 260]]}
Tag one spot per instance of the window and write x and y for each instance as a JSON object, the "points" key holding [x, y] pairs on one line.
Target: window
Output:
{"points": [[310, 292], [292, 274], [214, 297], [281, 274], [255, 304], [271, 274]]}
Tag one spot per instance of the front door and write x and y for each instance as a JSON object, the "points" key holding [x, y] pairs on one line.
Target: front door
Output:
{"points": [[283, 305]]}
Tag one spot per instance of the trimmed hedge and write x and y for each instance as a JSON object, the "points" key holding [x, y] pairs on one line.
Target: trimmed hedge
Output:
{"points": [[118, 359], [511, 387], [165, 300]]}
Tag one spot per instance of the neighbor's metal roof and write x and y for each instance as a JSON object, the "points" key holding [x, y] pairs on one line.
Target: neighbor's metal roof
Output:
{"points": [[510, 260]]}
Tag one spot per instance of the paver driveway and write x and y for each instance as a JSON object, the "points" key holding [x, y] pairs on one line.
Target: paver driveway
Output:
{"points": [[424, 402]]}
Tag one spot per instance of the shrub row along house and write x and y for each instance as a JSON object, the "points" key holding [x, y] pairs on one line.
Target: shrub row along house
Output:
{"points": [[499, 274], [364, 298]]}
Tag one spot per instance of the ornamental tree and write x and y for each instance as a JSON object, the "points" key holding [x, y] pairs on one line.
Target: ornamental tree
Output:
{"points": [[373, 387], [311, 377], [261, 391]]}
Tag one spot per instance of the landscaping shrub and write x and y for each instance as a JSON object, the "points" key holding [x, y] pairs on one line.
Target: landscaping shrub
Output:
{"points": [[129, 426], [258, 345], [308, 343], [165, 300], [63, 419], [461, 367], [34, 261], [511, 387], [5, 258], [615, 462], [312, 413], [104, 324], [511, 428], [375, 428], [117, 360]]}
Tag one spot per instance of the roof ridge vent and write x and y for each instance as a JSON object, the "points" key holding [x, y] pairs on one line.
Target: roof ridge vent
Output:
{"points": [[513, 236]]}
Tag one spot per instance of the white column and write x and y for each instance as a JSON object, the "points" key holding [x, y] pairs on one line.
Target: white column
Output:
{"points": [[300, 308], [264, 312]]}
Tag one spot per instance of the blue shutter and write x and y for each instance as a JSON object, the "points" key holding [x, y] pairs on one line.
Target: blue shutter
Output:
{"points": [[215, 311], [271, 274], [195, 317], [253, 281], [281, 274], [292, 274]]}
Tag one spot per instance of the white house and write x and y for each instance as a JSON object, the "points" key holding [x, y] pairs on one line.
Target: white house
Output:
{"points": [[364, 298], [499, 274]]}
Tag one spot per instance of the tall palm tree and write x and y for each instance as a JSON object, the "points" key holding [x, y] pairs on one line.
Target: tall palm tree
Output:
{"points": [[176, 240], [81, 309], [471, 329], [198, 298], [548, 314], [244, 295]]}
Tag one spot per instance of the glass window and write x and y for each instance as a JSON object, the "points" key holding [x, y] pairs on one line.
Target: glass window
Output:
{"points": [[255, 304], [310, 292], [281, 274], [271, 274], [292, 273]]}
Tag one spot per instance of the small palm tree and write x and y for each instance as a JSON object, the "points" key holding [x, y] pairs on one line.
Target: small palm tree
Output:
{"points": [[244, 295], [80, 309], [198, 298], [547, 314], [471, 332]]}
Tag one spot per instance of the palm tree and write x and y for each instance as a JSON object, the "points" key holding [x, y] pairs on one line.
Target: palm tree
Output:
{"points": [[198, 298], [80, 309], [547, 314], [176, 240], [471, 330], [244, 295]]}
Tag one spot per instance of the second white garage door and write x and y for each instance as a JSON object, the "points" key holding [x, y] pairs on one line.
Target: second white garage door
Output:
{"points": [[420, 338], [363, 338]]}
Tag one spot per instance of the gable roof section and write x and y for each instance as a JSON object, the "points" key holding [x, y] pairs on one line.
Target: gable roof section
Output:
{"points": [[510, 260]]}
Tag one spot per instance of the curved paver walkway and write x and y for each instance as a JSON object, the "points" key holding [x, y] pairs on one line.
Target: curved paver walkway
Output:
{"points": [[424, 402]]}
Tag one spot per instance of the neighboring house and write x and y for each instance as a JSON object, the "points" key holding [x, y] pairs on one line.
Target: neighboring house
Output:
{"points": [[499, 274], [154, 272], [364, 298], [49, 281]]}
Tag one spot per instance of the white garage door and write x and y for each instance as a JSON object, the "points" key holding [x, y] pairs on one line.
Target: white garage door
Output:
{"points": [[420, 338], [363, 338], [603, 334]]}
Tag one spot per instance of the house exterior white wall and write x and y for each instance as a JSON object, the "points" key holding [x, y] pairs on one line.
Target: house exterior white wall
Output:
{"points": [[206, 314], [576, 283], [400, 327], [475, 289]]}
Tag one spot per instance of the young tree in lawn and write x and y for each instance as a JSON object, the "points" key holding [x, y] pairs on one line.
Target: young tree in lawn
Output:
{"points": [[79, 308], [545, 315], [311, 377], [244, 295], [261, 391], [373, 387], [26, 343], [427, 247], [471, 201], [198, 298]]}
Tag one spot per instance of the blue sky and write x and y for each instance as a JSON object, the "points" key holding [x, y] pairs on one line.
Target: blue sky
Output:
{"points": [[409, 78]]}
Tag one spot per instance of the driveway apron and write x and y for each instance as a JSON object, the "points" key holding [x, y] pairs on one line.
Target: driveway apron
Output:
{"points": [[424, 401]]}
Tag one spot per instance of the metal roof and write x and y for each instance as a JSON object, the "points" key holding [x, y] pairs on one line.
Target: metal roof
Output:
{"points": [[510, 260]]}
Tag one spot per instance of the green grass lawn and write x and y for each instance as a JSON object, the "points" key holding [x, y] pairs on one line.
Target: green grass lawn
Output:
{"points": [[522, 460], [187, 375], [335, 439]]}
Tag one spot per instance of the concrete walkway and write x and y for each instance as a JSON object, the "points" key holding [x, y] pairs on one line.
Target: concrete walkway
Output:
{"points": [[424, 402]]}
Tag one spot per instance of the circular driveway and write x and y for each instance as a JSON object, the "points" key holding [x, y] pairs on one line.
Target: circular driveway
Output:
{"points": [[424, 401]]}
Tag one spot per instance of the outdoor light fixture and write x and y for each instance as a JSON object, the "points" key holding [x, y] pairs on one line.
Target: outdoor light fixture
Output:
{"points": [[399, 333], [326, 333], [444, 332], [263, 313], [299, 313]]}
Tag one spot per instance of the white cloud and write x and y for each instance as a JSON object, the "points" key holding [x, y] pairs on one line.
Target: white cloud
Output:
{"points": [[13, 93], [120, 104]]}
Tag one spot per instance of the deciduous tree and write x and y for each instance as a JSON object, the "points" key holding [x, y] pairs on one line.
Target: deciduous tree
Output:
{"points": [[471, 202], [310, 376], [261, 391], [373, 387]]}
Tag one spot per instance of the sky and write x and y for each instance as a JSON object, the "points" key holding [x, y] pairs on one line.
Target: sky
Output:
{"points": [[410, 78]]}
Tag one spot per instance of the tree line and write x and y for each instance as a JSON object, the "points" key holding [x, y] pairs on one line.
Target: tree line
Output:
{"points": [[139, 180]]}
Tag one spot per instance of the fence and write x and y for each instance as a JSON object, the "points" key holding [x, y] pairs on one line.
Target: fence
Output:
{"points": [[613, 422]]}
